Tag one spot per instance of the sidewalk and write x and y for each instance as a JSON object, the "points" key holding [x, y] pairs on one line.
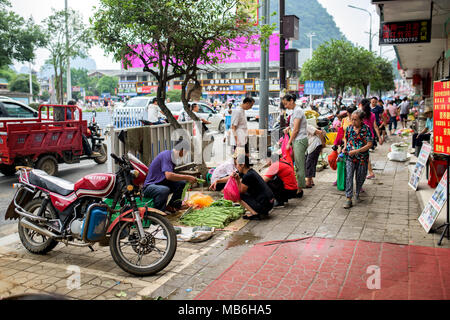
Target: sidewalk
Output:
{"points": [[382, 231]]}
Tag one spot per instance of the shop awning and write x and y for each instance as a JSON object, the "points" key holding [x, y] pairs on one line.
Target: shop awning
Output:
{"points": [[417, 58]]}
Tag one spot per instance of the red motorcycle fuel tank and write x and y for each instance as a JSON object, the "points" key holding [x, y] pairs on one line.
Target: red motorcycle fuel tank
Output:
{"points": [[141, 168], [95, 185]]}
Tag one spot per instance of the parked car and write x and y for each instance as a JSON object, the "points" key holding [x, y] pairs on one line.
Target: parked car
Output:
{"points": [[347, 101], [208, 113], [137, 102], [253, 113], [12, 109]]}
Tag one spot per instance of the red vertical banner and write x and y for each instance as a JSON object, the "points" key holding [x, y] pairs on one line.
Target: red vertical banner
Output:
{"points": [[441, 117]]}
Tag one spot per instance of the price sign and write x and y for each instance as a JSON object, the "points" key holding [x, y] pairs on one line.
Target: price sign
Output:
{"points": [[441, 117]]}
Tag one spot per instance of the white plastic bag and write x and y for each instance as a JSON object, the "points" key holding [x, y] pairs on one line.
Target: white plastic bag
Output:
{"points": [[397, 156], [195, 234]]}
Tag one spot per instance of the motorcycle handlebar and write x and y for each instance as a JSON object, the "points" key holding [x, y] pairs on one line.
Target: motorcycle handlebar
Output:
{"points": [[116, 158]]}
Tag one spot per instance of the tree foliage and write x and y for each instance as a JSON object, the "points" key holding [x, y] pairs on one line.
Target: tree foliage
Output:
{"points": [[107, 84], [383, 79], [80, 40], [342, 65], [21, 83], [19, 38], [176, 35]]}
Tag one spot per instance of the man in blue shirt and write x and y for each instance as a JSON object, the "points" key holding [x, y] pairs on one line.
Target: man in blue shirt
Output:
{"points": [[161, 180]]}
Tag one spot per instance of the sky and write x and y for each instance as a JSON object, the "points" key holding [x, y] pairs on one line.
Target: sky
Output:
{"points": [[352, 22]]}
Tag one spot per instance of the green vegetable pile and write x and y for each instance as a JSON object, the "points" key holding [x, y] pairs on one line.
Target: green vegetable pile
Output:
{"points": [[218, 215]]}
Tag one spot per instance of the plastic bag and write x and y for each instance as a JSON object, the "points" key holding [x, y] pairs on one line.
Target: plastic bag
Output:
{"points": [[195, 234], [199, 200], [341, 163], [284, 143], [332, 160], [231, 191], [397, 156], [339, 137]]}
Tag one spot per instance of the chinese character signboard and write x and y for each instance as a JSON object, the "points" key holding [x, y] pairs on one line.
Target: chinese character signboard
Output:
{"points": [[314, 87], [227, 86], [401, 32], [420, 165], [441, 117], [434, 206]]}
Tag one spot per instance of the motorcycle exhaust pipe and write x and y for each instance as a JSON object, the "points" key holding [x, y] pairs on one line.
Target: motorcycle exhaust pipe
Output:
{"points": [[29, 225]]}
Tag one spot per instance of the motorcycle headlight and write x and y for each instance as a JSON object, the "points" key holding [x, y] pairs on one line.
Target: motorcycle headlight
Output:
{"points": [[134, 173]]}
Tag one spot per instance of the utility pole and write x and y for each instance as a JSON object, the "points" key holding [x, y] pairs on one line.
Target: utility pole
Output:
{"points": [[69, 82], [310, 35], [282, 48], [31, 82], [264, 73]]}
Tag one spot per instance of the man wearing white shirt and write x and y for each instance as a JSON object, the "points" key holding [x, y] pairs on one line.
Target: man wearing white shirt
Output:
{"points": [[153, 112], [239, 136]]}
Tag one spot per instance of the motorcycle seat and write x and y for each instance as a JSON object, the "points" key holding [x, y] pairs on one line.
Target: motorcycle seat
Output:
{"points": [[53, 184]]}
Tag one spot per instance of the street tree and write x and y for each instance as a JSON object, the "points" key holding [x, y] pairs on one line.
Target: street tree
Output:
{"points": [[333, 63], [21, 83], [383, 79], [170, 38], [107, 84], [365, 65], [19, 38], [80, 40]]}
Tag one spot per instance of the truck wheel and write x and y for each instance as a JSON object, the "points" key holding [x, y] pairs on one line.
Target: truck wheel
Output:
{"points": [[103, 151], [48, 164], [8, 170]]}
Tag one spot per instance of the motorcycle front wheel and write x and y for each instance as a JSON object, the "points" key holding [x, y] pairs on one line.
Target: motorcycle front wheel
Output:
{"points": [[147, 256]]}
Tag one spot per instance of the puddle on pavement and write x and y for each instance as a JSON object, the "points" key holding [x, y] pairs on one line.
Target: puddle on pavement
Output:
{"points": [[241, 239]]}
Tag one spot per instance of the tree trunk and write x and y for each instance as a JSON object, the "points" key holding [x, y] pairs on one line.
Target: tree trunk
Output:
{"points": [[160, 95]]}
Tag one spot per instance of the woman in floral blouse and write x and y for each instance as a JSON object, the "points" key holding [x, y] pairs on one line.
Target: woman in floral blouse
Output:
{"points": [[358, 142]]}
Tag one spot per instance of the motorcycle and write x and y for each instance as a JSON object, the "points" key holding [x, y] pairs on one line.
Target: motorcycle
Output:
{"points": [[52, 210], [94, 133]]}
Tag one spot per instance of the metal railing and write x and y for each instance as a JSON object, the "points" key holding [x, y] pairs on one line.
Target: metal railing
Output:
{"points": [[129, 117], [145, 142]]}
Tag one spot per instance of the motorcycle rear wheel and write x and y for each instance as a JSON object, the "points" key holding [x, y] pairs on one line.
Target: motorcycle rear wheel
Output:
{"points": [[104, 156], [129, 253], [29, 238]]}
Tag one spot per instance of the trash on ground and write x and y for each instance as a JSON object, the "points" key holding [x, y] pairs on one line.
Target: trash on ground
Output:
{"points": [[195, 234], [199, 200]]}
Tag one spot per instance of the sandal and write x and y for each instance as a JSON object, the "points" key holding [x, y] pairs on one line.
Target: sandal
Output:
{"points": [[371, 176]]}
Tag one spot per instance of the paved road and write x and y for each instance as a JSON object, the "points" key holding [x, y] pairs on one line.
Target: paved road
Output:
{"points": [[70, 172]]}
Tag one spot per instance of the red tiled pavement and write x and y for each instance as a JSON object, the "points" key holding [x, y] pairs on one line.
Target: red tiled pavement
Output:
{"points": [[317, 268]]}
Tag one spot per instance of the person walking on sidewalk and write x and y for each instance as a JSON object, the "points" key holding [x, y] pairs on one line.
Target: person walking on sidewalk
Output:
{"points": [[358, 142], [393, 114], [370, 121], [316, 141], [239, 128], [404, 110], [298, 140]]}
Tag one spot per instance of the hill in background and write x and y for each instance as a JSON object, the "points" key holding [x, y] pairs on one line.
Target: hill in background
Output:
{"points": [[313, 18]]}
